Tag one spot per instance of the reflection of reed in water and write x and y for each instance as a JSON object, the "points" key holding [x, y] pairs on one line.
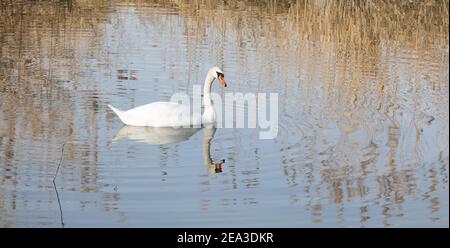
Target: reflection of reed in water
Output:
{"points": [[356, 50], [38, 60]]}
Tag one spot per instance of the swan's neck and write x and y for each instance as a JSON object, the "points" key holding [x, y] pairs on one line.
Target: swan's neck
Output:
{"points": [[207, 91]]}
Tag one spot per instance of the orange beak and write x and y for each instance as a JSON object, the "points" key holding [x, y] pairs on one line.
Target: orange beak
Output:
{"points": [[222, 81]]}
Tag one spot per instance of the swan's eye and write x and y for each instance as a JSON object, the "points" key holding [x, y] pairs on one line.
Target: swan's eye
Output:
{"points": [[219, 74]]}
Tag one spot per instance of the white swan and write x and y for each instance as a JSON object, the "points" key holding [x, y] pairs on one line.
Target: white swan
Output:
{"points": [[167, 114]]}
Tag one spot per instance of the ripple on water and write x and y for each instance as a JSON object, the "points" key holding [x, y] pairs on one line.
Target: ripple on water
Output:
{"points": [[363, 115]]}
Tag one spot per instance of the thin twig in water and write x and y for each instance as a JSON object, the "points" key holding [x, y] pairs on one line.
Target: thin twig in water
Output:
{"points": [[59, 203], [60, 160], [54, 185]]}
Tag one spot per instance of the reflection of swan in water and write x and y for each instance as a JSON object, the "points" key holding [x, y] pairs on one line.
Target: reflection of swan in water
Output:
{"points": [[155, 135], [169, 135], [211, 166]]}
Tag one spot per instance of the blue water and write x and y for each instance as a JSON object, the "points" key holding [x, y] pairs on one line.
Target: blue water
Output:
{"points": [[363, 127]]}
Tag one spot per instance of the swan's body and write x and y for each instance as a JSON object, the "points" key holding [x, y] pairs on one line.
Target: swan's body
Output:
{"points": [[170, 114], [156, 114]]}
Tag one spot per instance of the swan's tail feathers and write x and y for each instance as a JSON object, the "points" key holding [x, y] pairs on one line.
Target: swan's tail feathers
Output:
{"points": [[118, 112]]}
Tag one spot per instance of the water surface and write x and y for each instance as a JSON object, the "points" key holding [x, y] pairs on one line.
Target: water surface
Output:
{"points": [[363, 114]]}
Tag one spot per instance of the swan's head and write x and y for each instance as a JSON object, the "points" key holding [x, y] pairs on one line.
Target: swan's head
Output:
{"points": [[217, 73]]}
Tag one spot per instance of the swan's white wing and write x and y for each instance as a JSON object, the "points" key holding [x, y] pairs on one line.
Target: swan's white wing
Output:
{"points": [[160, 114]]}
